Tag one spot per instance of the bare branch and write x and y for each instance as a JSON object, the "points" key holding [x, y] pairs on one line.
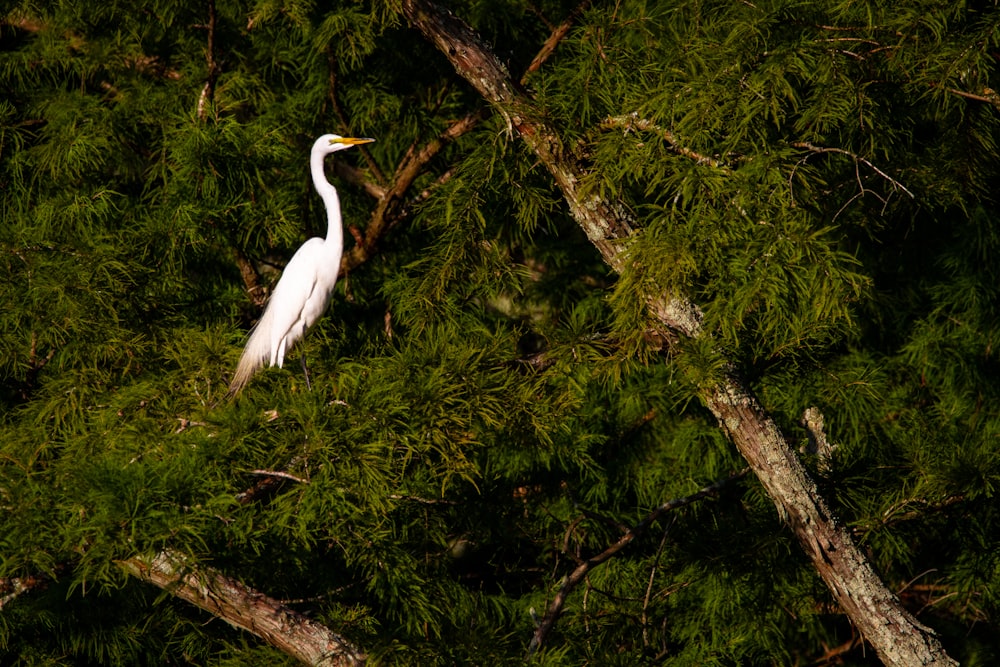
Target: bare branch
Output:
{"points": [[279, 473], [391, 206], [629, 536], [820, 149], [355, 176], [246, 609], [553, 41], [13, 587], [207, 97], [271, 481], [989, 96]]}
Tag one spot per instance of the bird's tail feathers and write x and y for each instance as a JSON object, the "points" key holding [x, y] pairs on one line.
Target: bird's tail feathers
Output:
{"points": [[256, 353]]}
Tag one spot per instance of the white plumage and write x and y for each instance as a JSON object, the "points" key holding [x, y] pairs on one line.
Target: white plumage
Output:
{"points": [[303, 292]]}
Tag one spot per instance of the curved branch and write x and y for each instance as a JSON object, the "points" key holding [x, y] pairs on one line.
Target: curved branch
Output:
{"points": [[552, 42]]}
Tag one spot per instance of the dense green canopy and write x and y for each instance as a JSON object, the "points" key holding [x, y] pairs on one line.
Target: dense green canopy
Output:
{"points": [[492, 404]]}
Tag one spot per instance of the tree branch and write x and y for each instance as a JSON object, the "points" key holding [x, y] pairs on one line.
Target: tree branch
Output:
{"points": [[391, 206], [821, 149], [13, 587], [553, 41], [896, 635], [631, 121], [581, 570], [207, 96], [246, 609]]}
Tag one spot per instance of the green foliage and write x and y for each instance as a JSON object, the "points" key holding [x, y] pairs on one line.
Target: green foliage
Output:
{"points": [[490, 405]]}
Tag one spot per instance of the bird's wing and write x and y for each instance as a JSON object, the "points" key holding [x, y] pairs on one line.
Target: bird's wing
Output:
{"points": [[283, 310], [292, 293]]}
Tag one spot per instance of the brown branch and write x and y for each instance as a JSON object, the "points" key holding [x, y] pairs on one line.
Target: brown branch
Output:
{"points": [[13, 587], [895, 514], [251, 281], [832, 656], [391, 206], [281, 474], [989, 96], [207, 96], [629, 536], [246, 609], [345, 121], [553, 41], [356, 177], [272, 479], [895, 633]]}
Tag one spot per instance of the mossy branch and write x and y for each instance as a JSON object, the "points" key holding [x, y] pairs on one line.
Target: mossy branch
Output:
{"points": [[244, 608], [896, 635]]}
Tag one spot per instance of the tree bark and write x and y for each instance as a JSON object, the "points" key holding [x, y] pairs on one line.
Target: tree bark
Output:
{"points": [[246, 609], [896, 635]]}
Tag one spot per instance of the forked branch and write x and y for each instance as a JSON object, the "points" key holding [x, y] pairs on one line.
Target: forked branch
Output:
{"points": [[630, 535]]}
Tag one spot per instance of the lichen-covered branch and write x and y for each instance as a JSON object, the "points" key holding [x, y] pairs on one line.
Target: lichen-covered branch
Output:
{"points": [[894, 633], [242, 607]]}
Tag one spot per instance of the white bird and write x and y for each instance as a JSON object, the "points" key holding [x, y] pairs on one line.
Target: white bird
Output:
{"points": [[303, 292]]}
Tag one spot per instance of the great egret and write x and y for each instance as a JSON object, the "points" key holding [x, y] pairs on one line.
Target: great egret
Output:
{"points": [[304, 289]]}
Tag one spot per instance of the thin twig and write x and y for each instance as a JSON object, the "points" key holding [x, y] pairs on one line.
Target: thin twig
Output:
{"points": [[14, 587], [553, 41], [857, 158], [578, 574], [631, 122], [649, 586], [989, 96], [207, 97], [278, 473]]}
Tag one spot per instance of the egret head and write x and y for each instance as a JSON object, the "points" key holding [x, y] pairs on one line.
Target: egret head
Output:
{"points": [[331, 143]]}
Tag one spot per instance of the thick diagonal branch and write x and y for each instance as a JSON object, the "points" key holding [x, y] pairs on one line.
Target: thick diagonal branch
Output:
{"points": [[894, 633], [242, 607]]}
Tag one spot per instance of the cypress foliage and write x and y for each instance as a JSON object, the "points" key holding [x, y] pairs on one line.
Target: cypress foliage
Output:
{"points": [[489, 409]]}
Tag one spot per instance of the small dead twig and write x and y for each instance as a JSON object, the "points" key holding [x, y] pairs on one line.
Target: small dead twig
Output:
{"points": [[581, 570], [13, 587], [279, 473], [988, 95], [858, 160], [207, 97], [558, 33]]}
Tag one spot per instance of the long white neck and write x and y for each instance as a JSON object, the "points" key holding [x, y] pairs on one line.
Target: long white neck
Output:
{"points": [[335, 229]]}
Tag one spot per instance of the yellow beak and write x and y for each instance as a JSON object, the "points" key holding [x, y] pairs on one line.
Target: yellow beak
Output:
{"points": [[351, 141]]}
